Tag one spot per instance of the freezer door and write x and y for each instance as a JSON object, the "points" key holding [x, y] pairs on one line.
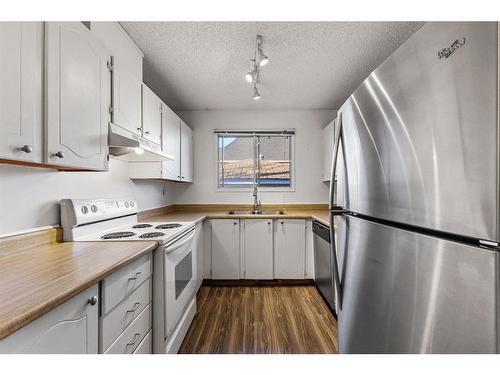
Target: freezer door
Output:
{"points": [[405, 292], [421, 133]]}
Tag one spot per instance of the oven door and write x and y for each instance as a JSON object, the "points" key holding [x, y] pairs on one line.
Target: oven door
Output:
{"points": [[179, 278]]}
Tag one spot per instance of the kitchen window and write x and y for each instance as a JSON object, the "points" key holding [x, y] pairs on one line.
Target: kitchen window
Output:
{"points": [[261, 157]]}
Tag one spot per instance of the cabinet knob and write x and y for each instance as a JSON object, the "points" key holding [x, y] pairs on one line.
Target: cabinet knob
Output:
{"points": [[93, 300], [139, 129], [27, 149], [146, 132], [59, 154]]}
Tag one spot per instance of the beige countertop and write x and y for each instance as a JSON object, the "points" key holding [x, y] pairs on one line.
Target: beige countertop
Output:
{"points": [[39, 273], [201, 214]]}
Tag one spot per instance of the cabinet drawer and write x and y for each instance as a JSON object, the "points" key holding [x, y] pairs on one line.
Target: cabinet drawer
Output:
{"points": [[145, 346], [123, 282], [130, 339], [115, 322]]}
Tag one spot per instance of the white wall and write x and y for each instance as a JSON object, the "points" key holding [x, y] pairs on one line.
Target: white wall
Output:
{"points": [[308, 154], [29, 197]]}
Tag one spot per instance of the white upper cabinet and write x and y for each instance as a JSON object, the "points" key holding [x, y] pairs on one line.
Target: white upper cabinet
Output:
{"points": [[176, 140], [186, 153], [71, 328], [171, 127], [258, 249], [21, 91], [127, 95], [151, 115], [327, 139], [77, 97], [127, 74], [289, 249], [225, 249]]}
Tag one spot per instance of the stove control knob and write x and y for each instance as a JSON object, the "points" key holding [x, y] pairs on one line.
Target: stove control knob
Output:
{"points": [[132, 204], [93, 208], [85, 209], [126, 204]]}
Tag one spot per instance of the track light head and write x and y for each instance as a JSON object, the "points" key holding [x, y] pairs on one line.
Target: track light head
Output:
{"points": [[263, 59], [251, 75], [256, 94]]}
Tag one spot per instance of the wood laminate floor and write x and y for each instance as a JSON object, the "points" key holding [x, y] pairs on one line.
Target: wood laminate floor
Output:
{"points": [[264, 319]]}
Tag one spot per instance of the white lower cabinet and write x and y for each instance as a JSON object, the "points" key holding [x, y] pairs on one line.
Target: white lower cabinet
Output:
{"points": [[257, 249], [126, 307], [130, 339], [71, 328], [225, 249], [289, 249], [120, 321]]}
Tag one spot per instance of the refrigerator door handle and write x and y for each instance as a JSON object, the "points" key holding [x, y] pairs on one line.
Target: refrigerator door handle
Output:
{"points": [[336, 141], [333, 251], [339, 139]]}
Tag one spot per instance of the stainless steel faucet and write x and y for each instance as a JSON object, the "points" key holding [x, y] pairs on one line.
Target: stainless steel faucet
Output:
{"points": [[256, 201], [256, 177]]}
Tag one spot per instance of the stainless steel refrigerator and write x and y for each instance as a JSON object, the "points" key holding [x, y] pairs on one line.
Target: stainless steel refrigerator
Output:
{"points": [[416, 171]]}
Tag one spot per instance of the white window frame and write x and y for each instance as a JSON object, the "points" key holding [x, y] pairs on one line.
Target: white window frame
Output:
{"points": [[278, 189]]}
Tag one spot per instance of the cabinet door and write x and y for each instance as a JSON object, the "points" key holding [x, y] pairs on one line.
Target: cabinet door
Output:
{"points": [[151, 115], [78, 97], [186, 153], [327, 138], [289, 249], [127, 95], [258, 249], [225, 249], [21, 91], [171, 143], [71, 328]]}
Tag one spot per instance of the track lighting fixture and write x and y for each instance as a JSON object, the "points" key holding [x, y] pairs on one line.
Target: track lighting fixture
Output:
{"points": [[260, 59]]}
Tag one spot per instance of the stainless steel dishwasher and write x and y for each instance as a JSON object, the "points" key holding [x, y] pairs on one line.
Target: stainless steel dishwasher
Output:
{"points": [[323, 262]]}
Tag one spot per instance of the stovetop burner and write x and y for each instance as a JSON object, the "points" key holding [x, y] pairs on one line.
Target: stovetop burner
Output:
{"points": [[168, 226], [142, 226], [152, 235], [114, 235]]}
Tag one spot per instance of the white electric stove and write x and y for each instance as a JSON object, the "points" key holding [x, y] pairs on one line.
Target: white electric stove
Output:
{"points": [[113, 220], [174, 268]]}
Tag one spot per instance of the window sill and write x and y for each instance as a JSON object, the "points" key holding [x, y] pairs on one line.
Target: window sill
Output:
{"points": [[250, 190]]}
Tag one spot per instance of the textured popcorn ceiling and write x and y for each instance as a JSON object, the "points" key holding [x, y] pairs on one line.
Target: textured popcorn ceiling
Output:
{"points": [[313, 65]]}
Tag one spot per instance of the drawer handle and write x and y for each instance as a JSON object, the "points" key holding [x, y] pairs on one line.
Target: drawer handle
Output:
{"points": [[135, 339], [137, 275], [136, 306]]}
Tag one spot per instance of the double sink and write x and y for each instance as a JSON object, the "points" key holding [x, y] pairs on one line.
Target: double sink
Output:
{"points": [[257, 212]]}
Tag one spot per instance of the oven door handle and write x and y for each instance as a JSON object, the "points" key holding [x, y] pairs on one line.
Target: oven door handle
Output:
{"points": [[172, 248]]}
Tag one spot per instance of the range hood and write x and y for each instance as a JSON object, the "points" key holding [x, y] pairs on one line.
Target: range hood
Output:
{"points": [[125, 145]]}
